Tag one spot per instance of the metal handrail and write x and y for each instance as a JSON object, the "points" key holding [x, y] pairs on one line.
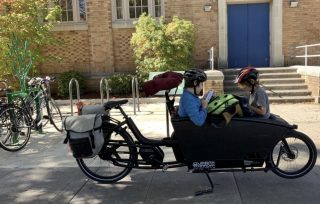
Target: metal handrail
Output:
{"points": [[135, 93], [104, 81], [72, 81], [306, 56], [211, 58]]}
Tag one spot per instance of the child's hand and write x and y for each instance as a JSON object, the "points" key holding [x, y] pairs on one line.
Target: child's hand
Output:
{"points": [[204, 103], [208, 95]]}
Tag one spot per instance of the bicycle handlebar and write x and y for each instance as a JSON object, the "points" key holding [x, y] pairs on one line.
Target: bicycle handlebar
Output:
{"points": [[38, 80]]}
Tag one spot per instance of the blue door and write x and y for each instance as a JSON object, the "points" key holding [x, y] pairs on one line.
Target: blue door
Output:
{"points": [[248, 35]]}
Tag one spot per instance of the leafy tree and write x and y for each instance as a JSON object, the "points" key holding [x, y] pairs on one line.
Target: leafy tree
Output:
{"points": [[27, 20], [162, 47]]}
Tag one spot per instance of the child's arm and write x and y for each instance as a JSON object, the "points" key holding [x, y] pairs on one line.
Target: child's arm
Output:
{"points": [[261, 110]]}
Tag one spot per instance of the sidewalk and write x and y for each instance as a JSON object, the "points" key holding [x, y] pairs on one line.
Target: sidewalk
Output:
{"points": [[45, 172]]}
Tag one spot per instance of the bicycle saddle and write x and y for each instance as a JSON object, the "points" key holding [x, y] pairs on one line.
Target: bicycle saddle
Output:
{"points": [[112, 104]]}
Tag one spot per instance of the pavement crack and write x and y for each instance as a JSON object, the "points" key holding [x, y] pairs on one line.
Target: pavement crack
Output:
{"points": [[78, 191], [235, 180], [149, 186]]}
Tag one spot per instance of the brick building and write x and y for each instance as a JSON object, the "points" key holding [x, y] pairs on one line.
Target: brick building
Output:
{"points": [[97, 32]]}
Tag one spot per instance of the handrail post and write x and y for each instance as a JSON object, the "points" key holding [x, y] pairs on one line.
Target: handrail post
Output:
{"points": [[211, 58], [72, 81], [135, 93], [306, 56], [104, 81]]}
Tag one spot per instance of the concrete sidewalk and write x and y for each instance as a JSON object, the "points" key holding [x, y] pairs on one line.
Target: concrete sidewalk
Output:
{"points": [[45, 172]]}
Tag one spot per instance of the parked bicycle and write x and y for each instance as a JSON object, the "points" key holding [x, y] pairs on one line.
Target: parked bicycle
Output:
{"points": [[39, 104], [15, 125]]}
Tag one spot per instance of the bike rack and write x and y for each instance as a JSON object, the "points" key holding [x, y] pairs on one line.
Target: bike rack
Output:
{"points": [[4, 83], [72, 81], [135, 93], [104, 81]]}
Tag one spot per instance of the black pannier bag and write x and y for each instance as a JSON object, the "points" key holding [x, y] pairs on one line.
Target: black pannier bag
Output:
{"points": [[84, 134]]}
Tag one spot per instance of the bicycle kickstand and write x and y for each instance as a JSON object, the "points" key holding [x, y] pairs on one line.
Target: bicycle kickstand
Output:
{"points": [[206, 191]]}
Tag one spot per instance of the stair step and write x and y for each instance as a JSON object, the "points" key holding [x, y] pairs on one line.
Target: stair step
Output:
{"points": [[269, 76], [292, 99], [263, 70], [282, 84], [277, 93], [273, 87], [273, 81]]}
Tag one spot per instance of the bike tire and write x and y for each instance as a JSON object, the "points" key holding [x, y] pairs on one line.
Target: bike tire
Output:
{"points": [[305, 156], [55, 115], [100, 168], [14, 135]]}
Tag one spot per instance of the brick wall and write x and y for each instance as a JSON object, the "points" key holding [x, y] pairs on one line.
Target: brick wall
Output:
{"points": [[206, 25], [72, 53], [301, 26], [105, 49], [123, 54], [100, 35]]}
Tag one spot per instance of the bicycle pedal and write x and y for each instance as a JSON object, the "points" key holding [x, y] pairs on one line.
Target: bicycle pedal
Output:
{"points": [[45, 117]]}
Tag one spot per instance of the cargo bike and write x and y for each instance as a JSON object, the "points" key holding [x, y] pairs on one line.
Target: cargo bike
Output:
{"points": [[244, 144]]}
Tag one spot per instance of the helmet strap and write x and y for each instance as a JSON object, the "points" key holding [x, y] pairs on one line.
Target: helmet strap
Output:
{"points": [[252, 85]]}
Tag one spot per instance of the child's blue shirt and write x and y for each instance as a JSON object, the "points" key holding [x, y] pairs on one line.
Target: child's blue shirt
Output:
{"points": [[190, 106]]}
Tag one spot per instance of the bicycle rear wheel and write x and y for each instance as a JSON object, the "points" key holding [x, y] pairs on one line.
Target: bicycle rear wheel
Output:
{"points": [[114, 161], [296, 161], [54, 114], [15, 128]]}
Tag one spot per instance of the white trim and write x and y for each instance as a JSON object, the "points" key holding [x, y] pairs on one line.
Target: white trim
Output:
{"points": [[76, 24], [70, 26], [127, 22]]}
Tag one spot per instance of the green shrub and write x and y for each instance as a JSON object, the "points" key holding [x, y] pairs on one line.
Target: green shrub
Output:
{"points": [[162, 47], [64, 80], [120, 83]]}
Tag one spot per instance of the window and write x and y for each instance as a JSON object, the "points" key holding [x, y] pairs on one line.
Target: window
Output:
{"points": [[73, 10], [125, 11], [137, 7]]}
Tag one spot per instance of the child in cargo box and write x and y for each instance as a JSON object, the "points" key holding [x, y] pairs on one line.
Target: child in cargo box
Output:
{"points": [[190, 105], [247, 79]]}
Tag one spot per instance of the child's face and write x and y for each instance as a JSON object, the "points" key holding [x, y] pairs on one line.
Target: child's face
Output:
{"points": [[199, 88], [244, 86]]}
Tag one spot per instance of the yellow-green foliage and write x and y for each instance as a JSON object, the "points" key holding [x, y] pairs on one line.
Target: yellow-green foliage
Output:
{"points": [[161, 47], [24, 19]]}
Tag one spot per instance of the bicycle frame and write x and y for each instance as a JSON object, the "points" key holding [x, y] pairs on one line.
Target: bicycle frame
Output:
{"points": [[143, 142], [12, 96]]}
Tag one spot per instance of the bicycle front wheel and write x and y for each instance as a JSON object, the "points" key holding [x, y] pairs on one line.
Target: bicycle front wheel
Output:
{"points": [[54, 115], [15, 128], [114, 161], [293, 156]]}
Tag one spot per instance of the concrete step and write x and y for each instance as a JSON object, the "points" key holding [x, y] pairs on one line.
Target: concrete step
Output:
{"points": [[268, 76], [274, 87], [273, 81], [292, 99], [282, 84], [262, 70], [278, 93]]}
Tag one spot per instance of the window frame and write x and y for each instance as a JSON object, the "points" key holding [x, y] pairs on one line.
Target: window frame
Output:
{"points": [[76, 12], [126, 21], [76, 23]]}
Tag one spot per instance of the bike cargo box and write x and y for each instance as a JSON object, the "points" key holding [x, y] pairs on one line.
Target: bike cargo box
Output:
{"points": [[84, 134], [242, 139]]}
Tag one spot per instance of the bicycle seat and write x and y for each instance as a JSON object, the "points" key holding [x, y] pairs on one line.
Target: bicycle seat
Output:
{"points": [[111, 104]]}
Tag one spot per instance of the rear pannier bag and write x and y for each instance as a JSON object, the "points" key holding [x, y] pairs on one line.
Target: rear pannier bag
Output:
{"points": [[84, 134]]}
